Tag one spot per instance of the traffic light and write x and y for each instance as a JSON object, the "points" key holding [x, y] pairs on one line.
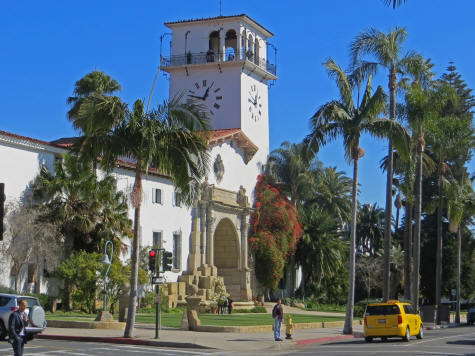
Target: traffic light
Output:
{"points": [[152, 257], [2, 208], [167, 261]]}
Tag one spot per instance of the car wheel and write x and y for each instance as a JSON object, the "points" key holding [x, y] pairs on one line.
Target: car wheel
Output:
{"points": [[407, 337], [421, 332], [3, 331], [368, 339]]}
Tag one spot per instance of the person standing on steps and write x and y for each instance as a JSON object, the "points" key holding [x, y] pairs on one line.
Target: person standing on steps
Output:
{"points": [[277, 315]]}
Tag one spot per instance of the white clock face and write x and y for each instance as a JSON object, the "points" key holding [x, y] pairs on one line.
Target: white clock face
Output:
{"points": [[208, 93], [255, 103]]}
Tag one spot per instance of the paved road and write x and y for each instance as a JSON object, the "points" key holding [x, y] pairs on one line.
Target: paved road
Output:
{"points": [[454, 341]]}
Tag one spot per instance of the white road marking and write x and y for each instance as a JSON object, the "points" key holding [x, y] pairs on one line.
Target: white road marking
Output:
{"points": [[148, 349], [435, 339]]}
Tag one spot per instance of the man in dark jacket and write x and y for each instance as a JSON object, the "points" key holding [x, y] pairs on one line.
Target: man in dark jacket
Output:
{"points": [[278, 315], [16, 327]]}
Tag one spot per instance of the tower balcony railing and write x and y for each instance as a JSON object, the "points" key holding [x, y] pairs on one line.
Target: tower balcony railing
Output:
{"points": [[212, 57]]}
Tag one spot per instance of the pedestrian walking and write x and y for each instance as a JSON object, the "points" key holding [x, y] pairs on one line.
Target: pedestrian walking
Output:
{"points": [[278, 315], [230, 305], [16, 328]]}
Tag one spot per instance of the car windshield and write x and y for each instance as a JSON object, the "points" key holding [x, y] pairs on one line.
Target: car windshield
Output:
{"points": [[382, 310]]}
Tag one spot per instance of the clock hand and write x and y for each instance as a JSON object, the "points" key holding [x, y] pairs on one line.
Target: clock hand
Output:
{"points": [[207, 91], [196, 97]]}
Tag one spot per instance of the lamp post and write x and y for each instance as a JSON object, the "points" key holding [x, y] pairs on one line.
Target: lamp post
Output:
{"points": [[107, 261]]}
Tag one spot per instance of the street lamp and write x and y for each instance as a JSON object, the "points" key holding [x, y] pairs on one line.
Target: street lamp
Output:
{"points": [[107, 261]]}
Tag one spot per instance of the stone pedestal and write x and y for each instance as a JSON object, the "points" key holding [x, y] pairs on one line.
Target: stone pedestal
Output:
{"points": [[104, 315], [192, 307]]}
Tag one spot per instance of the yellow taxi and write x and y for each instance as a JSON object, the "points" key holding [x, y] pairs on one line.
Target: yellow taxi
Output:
{"points": [[392, 319]]}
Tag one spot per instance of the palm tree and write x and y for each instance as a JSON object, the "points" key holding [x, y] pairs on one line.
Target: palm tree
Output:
{"points": [[460, 203], [343, 118], [94, 112], [331, 193], [320, 250], [387, 49], [290, 165], [422, 105], [370, 229], [171, 139]]}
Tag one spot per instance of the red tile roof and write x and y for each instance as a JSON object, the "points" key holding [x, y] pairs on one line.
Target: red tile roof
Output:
{"points": [[29, 139], [219, 18]]}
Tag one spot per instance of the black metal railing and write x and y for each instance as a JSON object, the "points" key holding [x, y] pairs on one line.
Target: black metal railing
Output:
{"points": [[212, 57]]}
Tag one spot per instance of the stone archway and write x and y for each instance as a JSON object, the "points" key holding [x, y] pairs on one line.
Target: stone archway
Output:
{"points": [[227, 253]]}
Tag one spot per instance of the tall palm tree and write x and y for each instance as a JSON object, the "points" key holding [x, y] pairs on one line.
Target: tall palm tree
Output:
{"points": [[94, 112], [422, 105], [387, 49], [343, 118], [171, 139], [447, 138], [460, 203]]}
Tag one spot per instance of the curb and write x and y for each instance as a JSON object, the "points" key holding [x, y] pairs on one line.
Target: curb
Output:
{"points": [[327, 339], [124, 340]]}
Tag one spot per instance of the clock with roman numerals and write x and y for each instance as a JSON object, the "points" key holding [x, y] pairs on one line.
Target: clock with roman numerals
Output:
{"points": [[208, 93]]}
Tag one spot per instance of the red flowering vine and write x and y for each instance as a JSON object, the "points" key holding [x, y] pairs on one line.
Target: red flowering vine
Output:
{"points": [[275, 231]]}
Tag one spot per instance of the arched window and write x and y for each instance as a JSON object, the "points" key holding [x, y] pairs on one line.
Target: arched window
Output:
{"points": [[213, 50], [230, 43]]}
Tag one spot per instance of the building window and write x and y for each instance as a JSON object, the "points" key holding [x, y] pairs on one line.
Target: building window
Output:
{"points": [[176, 198], [157, 239], [176, 250], [156, 196]]}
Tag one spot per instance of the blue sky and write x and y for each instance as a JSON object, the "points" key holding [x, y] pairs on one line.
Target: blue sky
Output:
{"points": [[46, 46]]}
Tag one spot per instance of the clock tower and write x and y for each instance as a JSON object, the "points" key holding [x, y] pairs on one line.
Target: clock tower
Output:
{"points": [[222, 63]]}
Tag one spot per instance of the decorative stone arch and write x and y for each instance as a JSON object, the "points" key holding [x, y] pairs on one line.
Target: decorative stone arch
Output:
{"points": [[231, 45], [219, 238]]}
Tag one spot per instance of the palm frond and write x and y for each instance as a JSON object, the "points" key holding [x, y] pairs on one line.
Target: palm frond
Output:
{"points": [[341, 79]]}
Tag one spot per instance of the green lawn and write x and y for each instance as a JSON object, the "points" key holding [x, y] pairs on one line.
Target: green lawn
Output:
{"points": [[174, 319]]}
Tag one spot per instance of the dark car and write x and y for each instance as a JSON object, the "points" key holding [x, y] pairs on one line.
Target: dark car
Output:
{"points": [[471, 316]]}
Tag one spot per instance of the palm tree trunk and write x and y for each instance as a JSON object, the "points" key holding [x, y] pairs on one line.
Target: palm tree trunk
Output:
{"points": [[137, 201], [389, 188], [438, 268], [348, 328], [459, 271], [408, 251], [417, 229]]}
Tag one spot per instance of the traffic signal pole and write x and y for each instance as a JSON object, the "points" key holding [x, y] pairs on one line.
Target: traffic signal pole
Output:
{"points": [[157, 312]]}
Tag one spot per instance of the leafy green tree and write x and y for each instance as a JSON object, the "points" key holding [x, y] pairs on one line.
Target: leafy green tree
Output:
{"points": [[80, 274], [171, 139], [387, 50], [344, 118], [88, 211]]}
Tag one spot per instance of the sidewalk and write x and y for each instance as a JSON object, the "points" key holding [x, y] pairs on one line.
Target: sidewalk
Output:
{"points": [[244, 342]]}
